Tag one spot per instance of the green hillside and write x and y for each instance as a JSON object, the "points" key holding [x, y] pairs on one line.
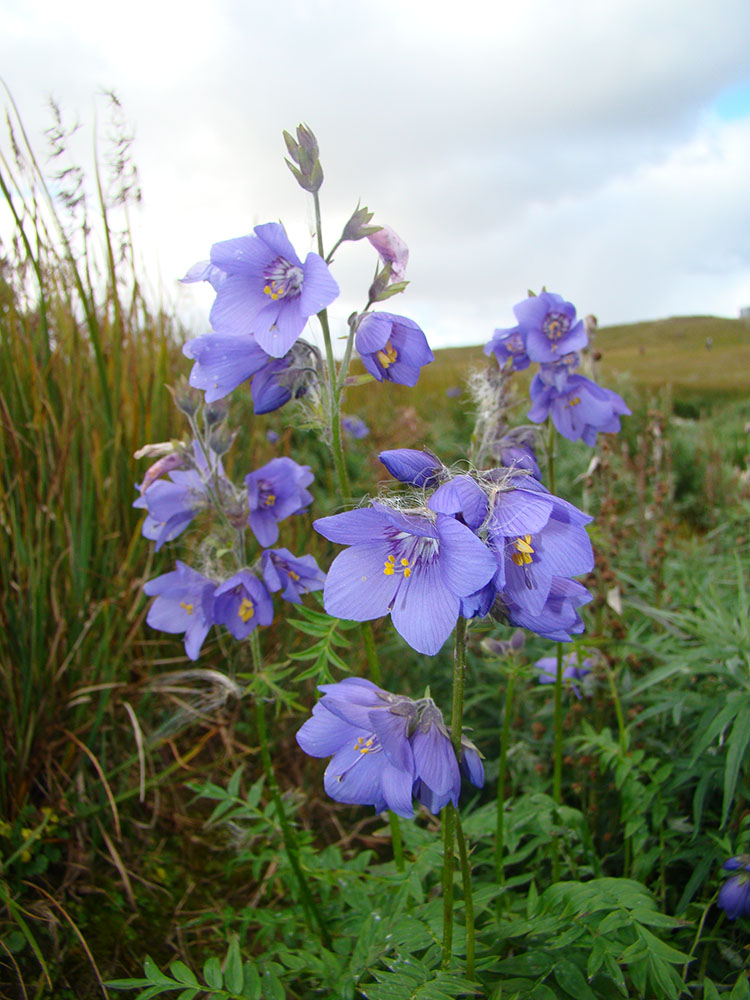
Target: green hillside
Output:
{"points": [[657, 353]]}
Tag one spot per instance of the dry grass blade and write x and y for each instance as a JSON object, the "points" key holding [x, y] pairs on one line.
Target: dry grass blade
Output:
{"points": [[105, 783], [138, 733]]}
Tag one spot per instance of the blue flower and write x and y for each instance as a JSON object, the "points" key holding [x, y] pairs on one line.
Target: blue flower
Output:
{"points": [[241, 603], [386, 749], [172, 505], [579, 408], [355, 427], [265, 289], [734, 895], [574, 669], [223, 361], [184, 603], [509, 345], [558, 619], [516, 451], [419, 468], [548, 325], [275, 492], [392, 348], [293, 575], [415, 567]]}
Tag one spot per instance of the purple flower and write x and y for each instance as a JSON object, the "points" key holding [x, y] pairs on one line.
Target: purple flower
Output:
{"points": [[509, 345], [574, 669], [453, 391], [241, 603], [167, 463], [516, 451], [184, 603], [355, 427], [386, 748], [537, 538], [418, 468], [272, 436], [415, 567], [462, 497], [392, 250], [392, 348], [558, 619], [579, 408], [297, 575], [734, 895], [223, 361], [274, 492], [266, 290], [172, 504], [548, 324]]}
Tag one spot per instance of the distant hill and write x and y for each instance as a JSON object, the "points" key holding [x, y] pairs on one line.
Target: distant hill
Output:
{"points": [[659, 352]]}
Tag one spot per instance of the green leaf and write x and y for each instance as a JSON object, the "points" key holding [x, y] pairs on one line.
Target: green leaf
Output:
{"points": [[737, 745], [741, 989], [212, 973], [154, 973], [272, 988], [251, 989], [233, 975]]}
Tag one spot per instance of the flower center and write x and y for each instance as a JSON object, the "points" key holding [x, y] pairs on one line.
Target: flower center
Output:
{"points": [[573, 401], [246, 609], [294, 576], [390, 566], [514, 343], [282, 279], [186, 607], [524, 551], [364, 744], [388, 356], [556, 325]]}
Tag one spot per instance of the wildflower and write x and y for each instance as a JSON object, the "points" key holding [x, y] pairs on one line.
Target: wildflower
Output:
{"points": [[284, 378], [172, 504], [392, 348], [537, 538], [295, 574], [184, 603], [275, 492], [355, 427], [548, 324], [574, 669], [167, 463], [415, 567], [386, 748], [419, 468], [392, 250], [463, 497], [734, 895], [222, 362], [453, 391], [267, 291], [516, 451], [509, 345], [579, 408], [241, 603], [558, 618]]}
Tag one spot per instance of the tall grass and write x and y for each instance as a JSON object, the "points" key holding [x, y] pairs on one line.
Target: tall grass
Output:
{"points": [[84, 363]]}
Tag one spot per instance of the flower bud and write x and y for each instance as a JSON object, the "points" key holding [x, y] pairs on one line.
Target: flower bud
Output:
{"points": [[304, 153], [357, 227], [187, 399]]}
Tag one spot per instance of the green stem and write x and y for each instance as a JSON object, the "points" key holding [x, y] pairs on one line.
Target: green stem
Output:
{"points": [[551, 442], [449, 813], [449, 829], [463, 856], [396, 842], [623, 734], [557, 755], [504, 740], [290, 840], [371, 652]]}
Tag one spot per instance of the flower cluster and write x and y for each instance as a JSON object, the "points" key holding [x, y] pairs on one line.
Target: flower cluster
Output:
{"points": [[386, 749], [548, 333], [191, 603], [496, 541]]}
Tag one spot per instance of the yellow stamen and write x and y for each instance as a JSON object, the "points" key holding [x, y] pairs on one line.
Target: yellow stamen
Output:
{"points": [[270, 500], [246, 610], [388, 355], [524, 551], [574, 401], [293, 575], [186, 607]]}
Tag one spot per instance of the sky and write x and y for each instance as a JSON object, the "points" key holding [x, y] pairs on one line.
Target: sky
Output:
{"points": [[599, 149]]}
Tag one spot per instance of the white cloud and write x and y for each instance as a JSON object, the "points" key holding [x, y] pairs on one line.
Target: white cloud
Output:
{"points": [[569, 144]]}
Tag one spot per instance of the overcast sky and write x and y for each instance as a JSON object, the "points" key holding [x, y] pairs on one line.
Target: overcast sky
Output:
{"points": [[599, 148]]}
